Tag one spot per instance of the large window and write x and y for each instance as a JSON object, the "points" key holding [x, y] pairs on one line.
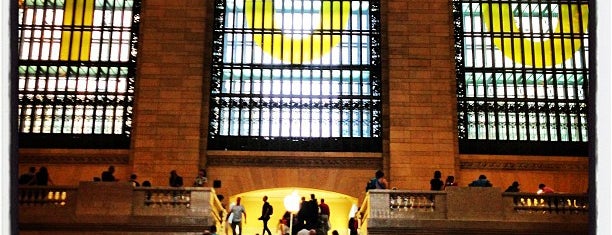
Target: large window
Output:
{"points": [[296, 75], [77, 63], [522, 76]]}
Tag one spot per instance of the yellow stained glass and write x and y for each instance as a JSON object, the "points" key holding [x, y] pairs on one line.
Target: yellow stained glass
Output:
{"points": [[76, 38], [305, 48], [538, 54]]}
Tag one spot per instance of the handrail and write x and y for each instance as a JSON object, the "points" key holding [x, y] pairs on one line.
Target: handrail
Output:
{"points": [[217, 207], [559, 203], [46, 195]]}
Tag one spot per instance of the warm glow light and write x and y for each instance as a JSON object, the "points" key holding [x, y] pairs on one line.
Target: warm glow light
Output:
{"points": [[292, 202]]}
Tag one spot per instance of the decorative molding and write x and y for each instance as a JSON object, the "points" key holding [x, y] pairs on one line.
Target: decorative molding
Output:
{"points": [[524, 165], [275, 161], [54, 159]]}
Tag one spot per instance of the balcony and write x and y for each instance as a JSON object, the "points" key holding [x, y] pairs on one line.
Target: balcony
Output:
{"points": [[95, 207], [472, 210]]}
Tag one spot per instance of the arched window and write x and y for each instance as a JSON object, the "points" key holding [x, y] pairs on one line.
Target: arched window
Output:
{"points": [[296, 75], [77, 61], [522, 76]]}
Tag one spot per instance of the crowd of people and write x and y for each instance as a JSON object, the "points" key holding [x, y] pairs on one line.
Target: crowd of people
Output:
{"points": [[311, 218], [482, 181], [41, 177]]}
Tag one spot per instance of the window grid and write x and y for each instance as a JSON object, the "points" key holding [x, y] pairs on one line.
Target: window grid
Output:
{"points": [[77, 61], [522, 76], [296, 75]]}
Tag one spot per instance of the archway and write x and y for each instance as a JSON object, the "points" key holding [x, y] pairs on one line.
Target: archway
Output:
{"points": [[341, 207]]}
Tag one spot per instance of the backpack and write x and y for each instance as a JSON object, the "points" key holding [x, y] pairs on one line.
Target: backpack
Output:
{"points": [[371, 184], [268, 210]]}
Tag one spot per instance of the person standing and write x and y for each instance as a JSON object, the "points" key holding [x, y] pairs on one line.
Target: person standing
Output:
{"points": [[175, 179], [133, 180], [266, 212], [28, 178], [381, 181], [436, 183], [325, 213], [312, 213], [42, 177], [450, 181], [107, 176], [236, 213], [201, 179], [353, 225]]}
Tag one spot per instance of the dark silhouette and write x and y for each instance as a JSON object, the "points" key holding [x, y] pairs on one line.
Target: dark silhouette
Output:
{"points": [[175, 179], [436, 183], [107, 176], [266, 212], [482, 181], [133, 180], [42, 177], [28, 178], [312, 213], [301, 215], [450, 181], [353, 225], [514, 188], [335, 232], [148, 193]]}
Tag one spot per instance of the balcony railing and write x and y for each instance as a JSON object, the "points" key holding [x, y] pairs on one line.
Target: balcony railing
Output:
{"points": [[119, 207], [116, 206], [464, 210]]}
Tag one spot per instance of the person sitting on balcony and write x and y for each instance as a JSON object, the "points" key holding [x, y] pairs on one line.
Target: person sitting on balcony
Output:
{"points": [[482, 181], [514, 188], [107, 176], [543, 189]]}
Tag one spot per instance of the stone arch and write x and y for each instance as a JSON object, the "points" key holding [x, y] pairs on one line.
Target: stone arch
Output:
{"points": [[341, 206]]}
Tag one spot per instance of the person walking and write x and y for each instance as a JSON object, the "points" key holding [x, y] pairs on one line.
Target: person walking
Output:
{"points": [[236, 213], [266, 212], [325, 213]]}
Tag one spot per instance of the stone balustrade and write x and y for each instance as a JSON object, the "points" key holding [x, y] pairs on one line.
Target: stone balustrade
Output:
{"points": [[118, 207], [466, 210]]}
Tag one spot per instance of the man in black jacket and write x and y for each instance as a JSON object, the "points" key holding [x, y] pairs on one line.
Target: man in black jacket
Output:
{"points": [[266, 212]]}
